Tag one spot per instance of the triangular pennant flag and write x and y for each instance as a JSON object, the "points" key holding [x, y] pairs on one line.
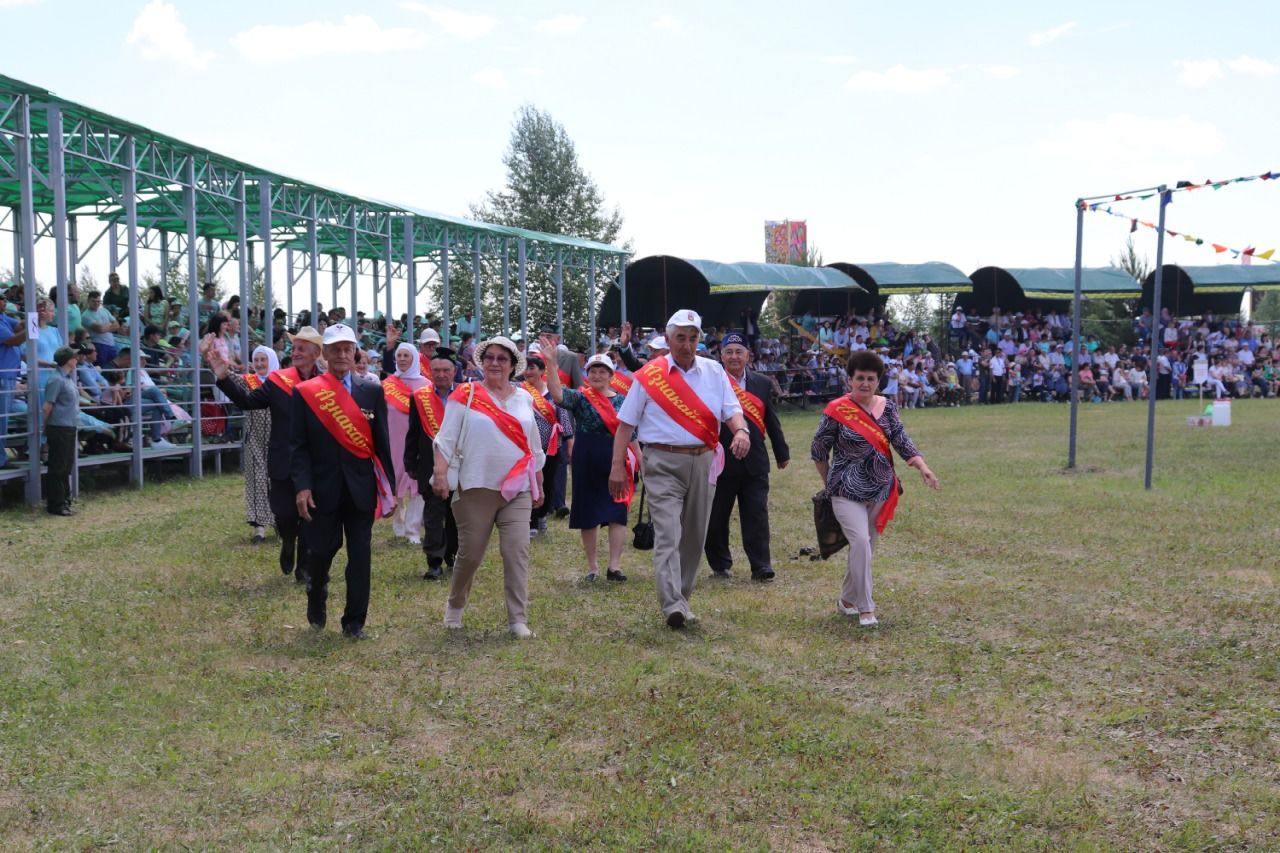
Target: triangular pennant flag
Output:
{"points": [[1199, 241], [1188, 238], [1145, 197], [1219, 249], [1267, 254], [1133, 225], [1249, 251], [1171, 233]]}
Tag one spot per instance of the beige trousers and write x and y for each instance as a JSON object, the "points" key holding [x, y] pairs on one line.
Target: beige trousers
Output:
{"points": [[679, 498], [858, 520], [476, 512]]}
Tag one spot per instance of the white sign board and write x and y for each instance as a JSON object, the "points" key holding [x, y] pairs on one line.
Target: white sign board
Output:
{"points": [[1199, 372]]}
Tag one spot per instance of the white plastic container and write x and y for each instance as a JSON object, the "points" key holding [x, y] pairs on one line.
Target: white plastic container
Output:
{"points": [[1221, 413]]}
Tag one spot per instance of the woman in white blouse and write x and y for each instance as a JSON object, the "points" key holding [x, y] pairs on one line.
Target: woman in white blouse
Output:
{"points": [[489, 446]]}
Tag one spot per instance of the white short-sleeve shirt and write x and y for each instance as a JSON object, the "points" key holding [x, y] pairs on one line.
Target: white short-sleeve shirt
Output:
{"points": [[706, 378]]}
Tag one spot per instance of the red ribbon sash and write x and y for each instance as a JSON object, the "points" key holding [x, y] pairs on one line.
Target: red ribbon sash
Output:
{"points": [[430, 409], [286, 379], [252, 380], [543, 409], [621, 382], [338, 412], [847, 412], [752, 406], [510, 427], [674, 396], [609, 415], [564, 378], [426, 364], [397, 394]]}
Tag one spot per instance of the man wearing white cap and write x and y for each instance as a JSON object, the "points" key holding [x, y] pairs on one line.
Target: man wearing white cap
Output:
{"points": [[343, 472], [276, 394], [676, 404], [427, 343]]}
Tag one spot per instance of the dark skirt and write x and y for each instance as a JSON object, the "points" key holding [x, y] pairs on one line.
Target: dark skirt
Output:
{"points": [[592, 505]]}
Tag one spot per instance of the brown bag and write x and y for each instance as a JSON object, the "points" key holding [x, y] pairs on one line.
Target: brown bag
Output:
{"points": [[830, 534]]}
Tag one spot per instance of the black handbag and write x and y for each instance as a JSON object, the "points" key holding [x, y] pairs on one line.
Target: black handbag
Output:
{"points": [[830, 534], [643, 539]]}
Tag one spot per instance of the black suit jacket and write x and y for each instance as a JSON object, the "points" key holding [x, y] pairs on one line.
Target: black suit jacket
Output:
{"points": [[267, 396], [756, 462], [419, 450], [321, 464]]}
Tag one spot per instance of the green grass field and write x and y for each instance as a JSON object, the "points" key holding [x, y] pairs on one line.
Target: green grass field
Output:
{"points": [[1065, 662]]}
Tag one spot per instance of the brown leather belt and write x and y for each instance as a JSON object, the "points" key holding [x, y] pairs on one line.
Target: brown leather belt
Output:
{"points": [[686, 449]]}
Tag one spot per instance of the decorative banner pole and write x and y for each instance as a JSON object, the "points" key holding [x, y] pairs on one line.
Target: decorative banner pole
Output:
{"points": [[1152, 374]]}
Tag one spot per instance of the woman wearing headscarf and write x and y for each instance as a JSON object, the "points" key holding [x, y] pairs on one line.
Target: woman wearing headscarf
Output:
{"points": [[257, 423], [594, 407], [490, 439], [398, 389]]}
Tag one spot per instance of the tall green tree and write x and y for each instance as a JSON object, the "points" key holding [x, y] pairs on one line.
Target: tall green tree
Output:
{"points": [[547, 190]]}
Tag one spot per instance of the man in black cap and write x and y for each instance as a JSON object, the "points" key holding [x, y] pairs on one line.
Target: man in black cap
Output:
{"points": [[746, 480]]}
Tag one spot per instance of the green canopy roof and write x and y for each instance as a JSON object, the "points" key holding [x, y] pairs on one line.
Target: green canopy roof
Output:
{"points": [[747, 276], [1059, 283], [931, 277], [1230, 278]]}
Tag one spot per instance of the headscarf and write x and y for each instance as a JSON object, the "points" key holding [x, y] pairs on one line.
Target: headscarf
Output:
{"points": [[273, 361], [415, 366]]}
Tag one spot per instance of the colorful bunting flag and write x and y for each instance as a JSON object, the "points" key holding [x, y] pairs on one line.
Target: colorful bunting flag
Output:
{"points": [[1245, 254]]}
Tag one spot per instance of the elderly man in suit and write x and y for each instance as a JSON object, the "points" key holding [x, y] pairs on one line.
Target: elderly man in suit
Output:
{"points": [[746, 480], [675, 406], [276, 394], [343, 472]]}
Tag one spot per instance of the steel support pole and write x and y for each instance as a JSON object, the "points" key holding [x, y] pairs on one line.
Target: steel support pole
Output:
{"points": [[333, 268], [264, 233], [388, 254], [164, 266], [196, 467], [58, 181], [24, 228], [1076, 299], [242, 261], [135, 336], [1156, 335], [591, 303], [445, 307], [73, 245], [288, 290], [353, 268], [622, 285], [475, 282], [208, 270], [560, 291], [113, 248], [522, 278], [313, 260], [506, 289], [411, 279]]}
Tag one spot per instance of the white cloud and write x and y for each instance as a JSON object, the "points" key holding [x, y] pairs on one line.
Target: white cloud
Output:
{"points": [[1043, 38], [1002, 72], [1251, 65], [455, 22], [839, 60], [1197, 72], [670, 24], [491, 78], [1124, 143], [567, 23], [900, 79], [355, 34], [159, 34]]}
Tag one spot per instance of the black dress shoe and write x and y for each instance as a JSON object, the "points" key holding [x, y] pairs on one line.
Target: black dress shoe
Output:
{"points": [[355, 633], [562, 512], [762, 575], [675, 620], [62, 510], [315, 626], [286, 556], [724, 574], [433, 573], [613, 575]]}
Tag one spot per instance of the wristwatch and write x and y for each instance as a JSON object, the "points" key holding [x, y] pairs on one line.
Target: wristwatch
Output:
{"points": [[743, 429]]}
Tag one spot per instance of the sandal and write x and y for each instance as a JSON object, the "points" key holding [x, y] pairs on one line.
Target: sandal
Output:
{"points": [[591, 577]]}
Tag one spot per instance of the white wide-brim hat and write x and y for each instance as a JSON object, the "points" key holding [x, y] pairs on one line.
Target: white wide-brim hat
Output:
{"points": [[507, 344]]}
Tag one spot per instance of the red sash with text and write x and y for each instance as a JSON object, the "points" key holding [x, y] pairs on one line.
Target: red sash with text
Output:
{"points": [[621, 382], [752, 406], [397, 394], [605, 410], [425, 362], [846, 412], [564, 378], [286, 379], [430, 409], [543, 409], [252, 380], [510, 427], [674, 396], [338, 412]]}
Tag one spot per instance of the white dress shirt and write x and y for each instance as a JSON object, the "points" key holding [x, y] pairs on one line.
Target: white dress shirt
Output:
{"points": [[489, 454], [707, 379]]}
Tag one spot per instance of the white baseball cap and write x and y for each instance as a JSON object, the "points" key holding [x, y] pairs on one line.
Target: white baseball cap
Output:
{"points": [[339, 332], [686, 317], [658, 342], [429, 336], [599, 359]]}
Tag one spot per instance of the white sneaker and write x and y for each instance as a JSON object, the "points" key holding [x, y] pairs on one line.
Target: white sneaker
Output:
{"points": [[691, 618], [868, 621], [845, 611], [415, 540], [163, 442], [521, 631], [453, 618]]}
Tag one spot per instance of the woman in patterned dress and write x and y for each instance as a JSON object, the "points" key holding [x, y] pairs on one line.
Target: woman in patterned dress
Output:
{"points": [[859, 477], [257, 424]]}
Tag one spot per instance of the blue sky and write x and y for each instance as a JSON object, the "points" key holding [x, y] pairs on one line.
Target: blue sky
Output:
{"points": [[901, 132]]}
